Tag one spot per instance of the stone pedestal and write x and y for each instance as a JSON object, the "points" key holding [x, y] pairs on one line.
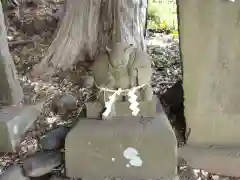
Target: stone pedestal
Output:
{"points": [[127, 147], [14, 121]]}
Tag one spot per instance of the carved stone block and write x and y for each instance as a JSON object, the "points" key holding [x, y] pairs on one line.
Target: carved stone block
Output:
{"points": [[127, 148], [14, 121]]}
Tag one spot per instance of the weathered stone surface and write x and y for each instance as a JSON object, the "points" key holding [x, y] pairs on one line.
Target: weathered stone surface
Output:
{"points": [[14, 121], [41, 163], [211, 84], [13, 173], [220, 160], [211, 71], [54, 139], [97, 149]]}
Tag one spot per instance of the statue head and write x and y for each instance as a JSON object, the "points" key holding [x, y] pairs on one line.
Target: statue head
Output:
{"points": [[120, 53]]}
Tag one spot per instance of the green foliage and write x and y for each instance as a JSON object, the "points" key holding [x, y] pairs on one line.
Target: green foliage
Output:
{"points": [[175, 33], [153, 13], [157, 25], [162, 15]]}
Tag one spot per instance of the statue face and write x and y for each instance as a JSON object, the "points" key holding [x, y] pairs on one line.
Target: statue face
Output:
{"points": [[120, 54]]}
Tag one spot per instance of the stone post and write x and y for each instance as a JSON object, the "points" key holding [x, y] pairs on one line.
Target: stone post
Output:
{"points": [[209, 38], [210, 46]]}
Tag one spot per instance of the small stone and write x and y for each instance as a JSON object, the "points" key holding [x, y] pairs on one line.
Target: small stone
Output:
{"points": [[27, 28], [64, 103], [39, 25], [87, 81], [187, 173], [158, 50], [41, 163], [13, 173], [54, 139]]}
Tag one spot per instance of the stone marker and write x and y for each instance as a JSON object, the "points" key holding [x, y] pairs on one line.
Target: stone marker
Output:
{"points": [[13, 173], [14, 121], [211, 83], [41, 163]]}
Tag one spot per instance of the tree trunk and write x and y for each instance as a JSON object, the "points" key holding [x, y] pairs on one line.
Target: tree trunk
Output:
{"points": [[146, 21], [88, 26], [10, 89]]}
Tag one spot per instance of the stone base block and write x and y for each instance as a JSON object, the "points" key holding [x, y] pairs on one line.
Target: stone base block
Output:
{"points": [[222, 160], [14, 121], [121, 108], [127, 148]]}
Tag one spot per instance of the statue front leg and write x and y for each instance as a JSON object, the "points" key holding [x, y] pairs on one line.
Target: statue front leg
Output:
{"points": [[133, 81], [147, 93], [133, 77], [144, 78]]}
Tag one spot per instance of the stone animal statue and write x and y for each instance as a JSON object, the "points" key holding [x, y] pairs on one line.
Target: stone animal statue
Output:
{"points": [[123, 66]]}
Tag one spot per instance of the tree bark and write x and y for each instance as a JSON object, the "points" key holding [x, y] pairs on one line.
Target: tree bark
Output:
{"points": [[10, 89], [88, 26]]}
